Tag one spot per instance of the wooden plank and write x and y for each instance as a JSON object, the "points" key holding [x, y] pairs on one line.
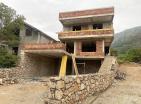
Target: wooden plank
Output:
{"points": [[74, 64]]}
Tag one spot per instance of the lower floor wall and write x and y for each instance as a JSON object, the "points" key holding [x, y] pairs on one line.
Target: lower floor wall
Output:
{"points": [[34, 65], [74, 90]]}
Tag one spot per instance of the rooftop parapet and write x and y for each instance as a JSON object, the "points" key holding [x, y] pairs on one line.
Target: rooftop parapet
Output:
{"points": [[68, 17]]}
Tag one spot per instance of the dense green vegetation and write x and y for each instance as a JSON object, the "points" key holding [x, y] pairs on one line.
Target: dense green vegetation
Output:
{"points": [[126, 40], [132, 55], [10, 24], [7, 60], [127, 45]]}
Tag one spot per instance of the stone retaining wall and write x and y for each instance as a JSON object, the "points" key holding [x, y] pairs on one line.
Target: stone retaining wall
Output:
{"points": [[8, 75], [8, 72], [74, 90]]}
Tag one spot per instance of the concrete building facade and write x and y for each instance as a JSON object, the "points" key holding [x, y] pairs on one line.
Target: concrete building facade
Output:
{"points": [[87, 35], [29, 34]]}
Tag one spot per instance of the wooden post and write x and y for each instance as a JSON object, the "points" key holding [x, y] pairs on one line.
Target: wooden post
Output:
{"points": [[75, 66]]}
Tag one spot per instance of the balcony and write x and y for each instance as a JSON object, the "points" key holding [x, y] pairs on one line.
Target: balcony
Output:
{"points": [[83, 34], [44, 46]]}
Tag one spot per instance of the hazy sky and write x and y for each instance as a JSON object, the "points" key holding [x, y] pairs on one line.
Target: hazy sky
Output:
{"points": [[43, 14]]}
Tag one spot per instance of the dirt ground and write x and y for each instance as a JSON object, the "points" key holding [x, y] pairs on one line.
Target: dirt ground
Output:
{"points": [[121, 92], [27, 93], [124, 92]]}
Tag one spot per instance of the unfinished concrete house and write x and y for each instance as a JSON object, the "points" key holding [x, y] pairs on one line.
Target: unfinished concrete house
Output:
{"points": [[86, 36]]}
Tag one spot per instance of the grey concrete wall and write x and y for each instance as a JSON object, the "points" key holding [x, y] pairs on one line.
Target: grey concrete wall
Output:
{"points": [[108, 25], [36, 37], [43, 39]]}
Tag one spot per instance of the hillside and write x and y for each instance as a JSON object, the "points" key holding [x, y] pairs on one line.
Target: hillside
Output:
{"points": [[127, 39]]}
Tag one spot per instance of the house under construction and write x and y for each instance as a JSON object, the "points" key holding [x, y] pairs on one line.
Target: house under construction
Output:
{"points": [[84, 42]]}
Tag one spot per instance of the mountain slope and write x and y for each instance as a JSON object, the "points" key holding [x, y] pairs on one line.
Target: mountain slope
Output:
{"points": [[127, 39]]}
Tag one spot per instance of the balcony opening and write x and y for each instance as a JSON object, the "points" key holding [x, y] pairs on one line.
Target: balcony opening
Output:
{"points": [[28, 32], [106, 50], [70, 47], [76, 28], [89, 46], [97, 26]]}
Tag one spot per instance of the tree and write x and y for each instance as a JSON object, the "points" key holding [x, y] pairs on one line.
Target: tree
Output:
{"points": [[10, 24], [7, 60]]}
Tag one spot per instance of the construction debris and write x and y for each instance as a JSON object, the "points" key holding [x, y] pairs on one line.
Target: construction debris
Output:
{"points": [[120, 75]]}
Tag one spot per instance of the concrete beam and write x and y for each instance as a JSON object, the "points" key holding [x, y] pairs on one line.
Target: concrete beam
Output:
{"points": [[51, 52]]}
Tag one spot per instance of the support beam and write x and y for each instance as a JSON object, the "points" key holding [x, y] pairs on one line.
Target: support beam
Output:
{"points": [[75, 66], [63, 66]]}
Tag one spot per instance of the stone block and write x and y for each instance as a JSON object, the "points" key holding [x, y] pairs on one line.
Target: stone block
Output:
{"points": [[1, 83], [60, 84], [82, 86], [78, 80], [52, 84], [58, 94]]}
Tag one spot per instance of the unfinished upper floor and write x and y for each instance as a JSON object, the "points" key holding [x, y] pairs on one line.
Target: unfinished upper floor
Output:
{"points": [[30, 34], [95, 23]]}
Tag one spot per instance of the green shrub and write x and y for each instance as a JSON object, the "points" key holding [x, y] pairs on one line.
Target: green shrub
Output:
{"points": [[113, 52], [7, 60], [122, 58], [132, 55]]}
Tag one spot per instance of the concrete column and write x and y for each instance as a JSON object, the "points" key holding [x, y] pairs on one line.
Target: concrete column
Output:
{"points": [[90, 27], [75, 47], [102, 61], [103, 46], [22, 35], [22, 57]]}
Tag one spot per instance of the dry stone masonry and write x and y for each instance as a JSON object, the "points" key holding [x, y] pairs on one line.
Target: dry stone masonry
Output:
{"points": [[74, 90], [9, 75]]}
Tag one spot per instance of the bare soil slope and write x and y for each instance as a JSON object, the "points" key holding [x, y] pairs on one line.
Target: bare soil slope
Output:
{"points": [[124, 92]]}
